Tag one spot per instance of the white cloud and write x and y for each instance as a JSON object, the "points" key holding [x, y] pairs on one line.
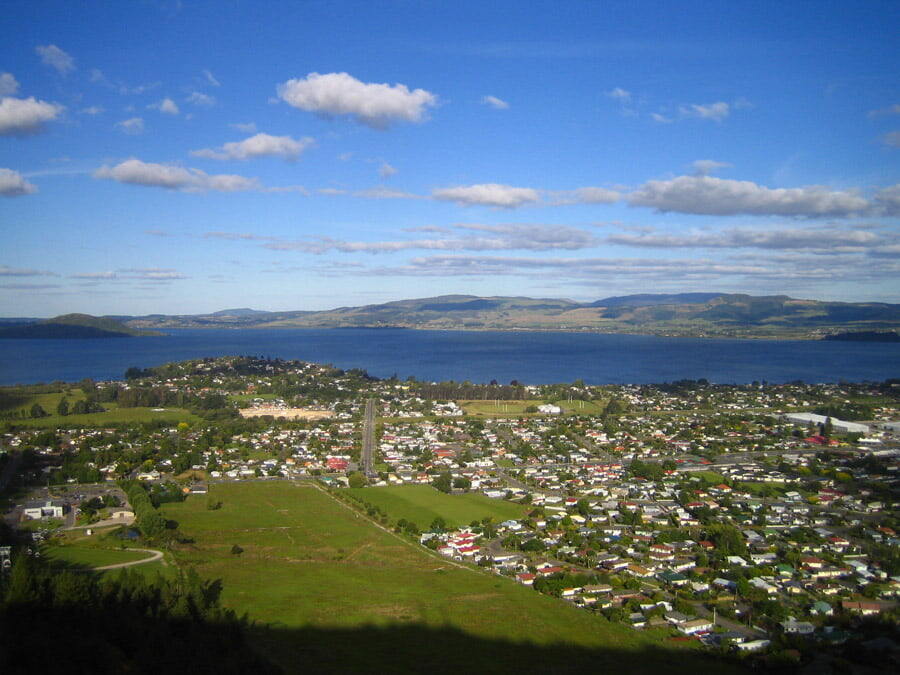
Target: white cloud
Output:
{"points": [[619, 94], [822, 240], [386, 170], [662, 119], [708, 111], [92, 110], [887, 201], [488, 194], [495, 102], [136, 172], [133, 125], [585, 195], [8, 84], [704, 167], [167, 106], [55, 57], [706, 195], [260, 145], [198, 98], [892, 139], [20, 116], [248, 128], [13, 185], [210, 78], [375, 105]]}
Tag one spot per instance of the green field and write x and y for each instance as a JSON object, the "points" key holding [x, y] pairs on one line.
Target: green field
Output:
{"points": [[421, 504], [90, 556], [331, 589], [113, 415]]}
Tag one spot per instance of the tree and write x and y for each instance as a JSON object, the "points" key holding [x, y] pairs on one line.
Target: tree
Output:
{"points": [[357, 479], [63, 407], [442, 482], [462, 483], [38, 411]]}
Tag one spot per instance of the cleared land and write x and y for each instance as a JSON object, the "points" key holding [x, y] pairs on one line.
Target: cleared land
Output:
{"points": [[337, 591], [421, 504]]}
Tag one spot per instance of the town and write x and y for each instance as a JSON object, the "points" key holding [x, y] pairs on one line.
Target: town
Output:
{"points": [[756, 519]]}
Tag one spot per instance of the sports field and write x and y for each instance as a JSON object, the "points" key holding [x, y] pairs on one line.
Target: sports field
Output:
{"points": [[421, 504], [327, 584]]}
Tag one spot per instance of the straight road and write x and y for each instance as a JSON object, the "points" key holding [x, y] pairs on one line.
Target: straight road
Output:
{"points": [[368, 449]]}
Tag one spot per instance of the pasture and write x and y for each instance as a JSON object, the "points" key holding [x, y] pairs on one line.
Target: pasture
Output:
{"points": [[319, 577], [421, 504]]}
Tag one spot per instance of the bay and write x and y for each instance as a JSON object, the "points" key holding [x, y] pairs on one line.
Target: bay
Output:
{"points": [[477, 356]]}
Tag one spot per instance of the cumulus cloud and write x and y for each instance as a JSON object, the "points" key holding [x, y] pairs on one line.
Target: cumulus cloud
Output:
{"points": [[585, 195], [21, 116], [167, 106], [495, 102], [136, 172], [488, 194], [53, 56], [705, 195], [133, 125], [386, 170], [375, 105], [707, 111], [92, 110], [13, 185], [704, 167], [260, 145], [892, 139], [887, 201], [8, 84], [199, 98]]}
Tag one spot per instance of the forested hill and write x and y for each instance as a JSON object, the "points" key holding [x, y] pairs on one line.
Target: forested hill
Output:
{"points": [[70, 326], [685, 314]]}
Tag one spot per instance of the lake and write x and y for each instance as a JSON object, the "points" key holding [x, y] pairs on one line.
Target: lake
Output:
{"points": [[478, 356]]}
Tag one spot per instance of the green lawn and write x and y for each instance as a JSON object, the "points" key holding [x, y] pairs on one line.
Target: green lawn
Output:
{"points": [[421, 504], [325, 582], [497, 408], [90, 556]]}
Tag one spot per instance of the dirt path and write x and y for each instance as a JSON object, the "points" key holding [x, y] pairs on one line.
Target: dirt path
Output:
{"points": [[157, 555]]}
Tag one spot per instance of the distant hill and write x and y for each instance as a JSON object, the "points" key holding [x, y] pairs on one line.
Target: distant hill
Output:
{"points": [[680, 314], [865, 336], [72, 326], [650, 299]]}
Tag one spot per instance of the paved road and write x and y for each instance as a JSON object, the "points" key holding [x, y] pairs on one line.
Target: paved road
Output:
{"points": [[368, 449], [156, 555]]}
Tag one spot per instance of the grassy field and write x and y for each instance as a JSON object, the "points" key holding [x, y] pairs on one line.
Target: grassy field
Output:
{"points": [[90, 556], [421, 504], [331, 587], [113, 415]]}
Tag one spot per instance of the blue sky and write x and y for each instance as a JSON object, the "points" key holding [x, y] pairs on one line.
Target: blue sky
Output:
{"points": [[185, 157]]}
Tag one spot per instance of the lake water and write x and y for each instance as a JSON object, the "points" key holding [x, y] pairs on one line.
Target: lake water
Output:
{"points": [[478, 356]]}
